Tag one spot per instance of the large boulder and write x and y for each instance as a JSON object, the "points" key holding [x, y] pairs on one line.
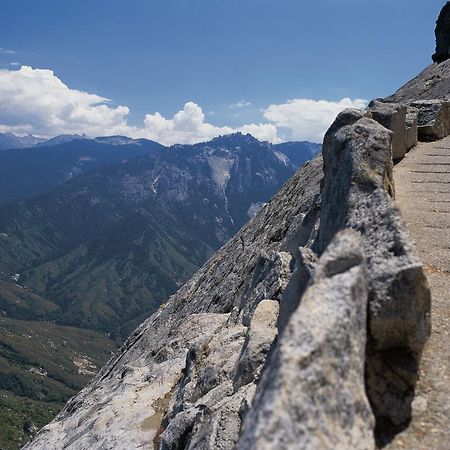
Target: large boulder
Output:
{"points": [[393, 117], [412, 125], [259, 339], [219, 379], [312, 394], [433, 119], [356, 193], [442, 32]]}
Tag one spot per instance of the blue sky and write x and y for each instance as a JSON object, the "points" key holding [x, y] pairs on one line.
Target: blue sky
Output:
{"points": [[154, 56]]}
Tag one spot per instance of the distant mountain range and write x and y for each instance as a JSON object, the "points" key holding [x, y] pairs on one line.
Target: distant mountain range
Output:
{"points": [[25, 173], [106, 248], [29, 171], [10, 141], [103, 230]]}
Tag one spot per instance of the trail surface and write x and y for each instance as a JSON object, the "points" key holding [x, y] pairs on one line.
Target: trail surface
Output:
{"points": [[422, 181]]}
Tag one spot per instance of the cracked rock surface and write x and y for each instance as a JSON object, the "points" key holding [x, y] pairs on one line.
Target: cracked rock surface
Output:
{"points": [[321, 353]]}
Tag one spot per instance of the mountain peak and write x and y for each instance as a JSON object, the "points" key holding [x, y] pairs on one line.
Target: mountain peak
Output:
{"points": [[10, 141], [237, 138], [116, 140], [61, 139]]}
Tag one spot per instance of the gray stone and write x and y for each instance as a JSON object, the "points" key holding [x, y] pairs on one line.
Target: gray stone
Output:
{"points": [[212, 425], [207, 409], [393, 117], [347, 117], [259, 339], [442, 33], [412, 123], [312, 394], [302, 273], [357, 193], [431, 84], [433, 119], [357, 151]]}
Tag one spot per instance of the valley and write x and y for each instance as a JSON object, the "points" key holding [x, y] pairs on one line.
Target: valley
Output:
{"points": [[42, 364]]}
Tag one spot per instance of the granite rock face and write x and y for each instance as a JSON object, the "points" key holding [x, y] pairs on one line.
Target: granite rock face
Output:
{"points": [[321, 353], [433, 119], [431, 84], [393, 117], [442, 33], [412, 124]]}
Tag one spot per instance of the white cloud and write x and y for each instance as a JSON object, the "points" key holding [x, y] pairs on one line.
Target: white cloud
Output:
{"points": [[305, 119], [189, 126], [35, 101], [240, 104], [5, 51]]}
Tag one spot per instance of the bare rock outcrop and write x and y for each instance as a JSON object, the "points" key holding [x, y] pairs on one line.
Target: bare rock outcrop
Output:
{"points": [[433, 119], [321, 353], [442, 33], [431, 84], [393, 117]]}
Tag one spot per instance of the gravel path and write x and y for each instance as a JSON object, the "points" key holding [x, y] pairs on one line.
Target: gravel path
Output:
{"points": [[422, 181]]}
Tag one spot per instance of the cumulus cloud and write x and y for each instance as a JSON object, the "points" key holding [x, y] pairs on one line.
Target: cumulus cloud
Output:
{"points": [[305, 119], [186, 126], [36, 101], [189, 126]]}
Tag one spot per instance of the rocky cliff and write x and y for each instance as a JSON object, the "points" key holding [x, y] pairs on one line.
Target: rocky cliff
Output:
{"points": [[303, 331]]}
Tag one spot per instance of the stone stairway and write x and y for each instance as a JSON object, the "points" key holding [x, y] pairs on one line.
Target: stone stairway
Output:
{"points": [[422, 181]]}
